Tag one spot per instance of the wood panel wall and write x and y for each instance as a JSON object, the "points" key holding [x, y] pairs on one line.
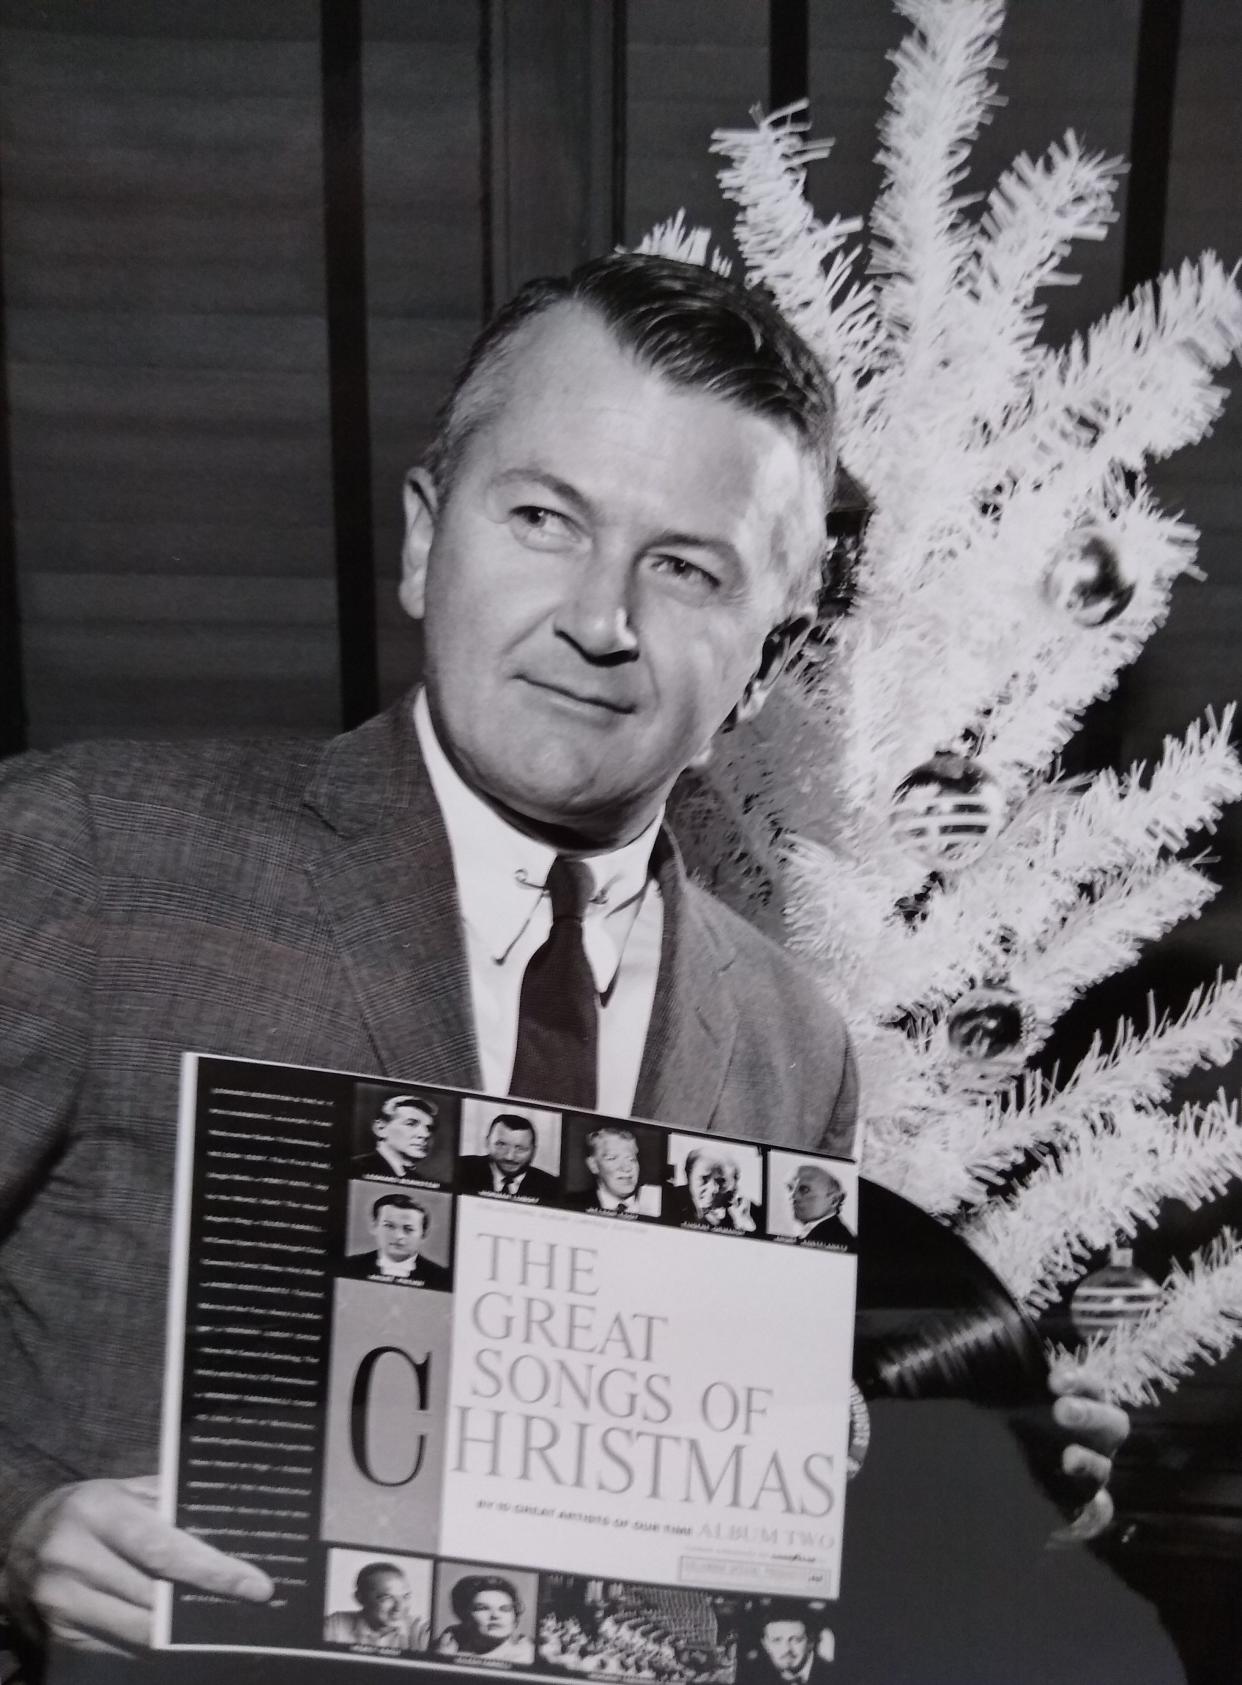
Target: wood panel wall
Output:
{"points": [[163, 283]]}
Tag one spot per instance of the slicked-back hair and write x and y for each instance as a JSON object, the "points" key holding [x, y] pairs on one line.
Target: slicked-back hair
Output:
{"points": [[402, 1202], [693, 327]]}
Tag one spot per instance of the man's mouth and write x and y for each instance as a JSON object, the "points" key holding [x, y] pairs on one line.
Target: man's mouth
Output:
{"points": [[587, 700]]}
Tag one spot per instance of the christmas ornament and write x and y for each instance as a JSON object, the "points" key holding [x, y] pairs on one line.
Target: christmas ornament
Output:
{"points": [[1119, 1293], [988, 1023], [946, 812], [1087, 582], [860, 1432]]}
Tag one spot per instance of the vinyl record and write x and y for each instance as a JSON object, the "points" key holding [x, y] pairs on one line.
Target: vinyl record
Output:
{"points": [[933, 1320], [947, 1578]]}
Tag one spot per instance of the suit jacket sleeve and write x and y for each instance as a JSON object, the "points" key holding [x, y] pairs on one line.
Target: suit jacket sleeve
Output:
{"points": [[841, 1131], [48, 920]]}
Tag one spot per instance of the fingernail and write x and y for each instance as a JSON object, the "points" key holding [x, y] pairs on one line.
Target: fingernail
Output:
{"points": [[254, 1585]]}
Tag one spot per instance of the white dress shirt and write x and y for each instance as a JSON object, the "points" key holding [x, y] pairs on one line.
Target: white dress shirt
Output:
{"points": [[643, 1202], [507, 914]]}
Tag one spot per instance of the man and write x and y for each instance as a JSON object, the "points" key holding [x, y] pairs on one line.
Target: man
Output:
{"points": [[404, 1132], [383, 1619], [816, 1198], [787, 1655], [712, 1194], [506, 1168], [614, 549], [399, 1225], [611, 1153]]}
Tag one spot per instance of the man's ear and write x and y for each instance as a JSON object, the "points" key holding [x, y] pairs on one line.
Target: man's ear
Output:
{"points": [[779, 647], [422, 505]]}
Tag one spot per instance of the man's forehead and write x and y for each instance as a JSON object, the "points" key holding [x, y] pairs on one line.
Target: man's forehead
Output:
{"points": [[567, 395]]}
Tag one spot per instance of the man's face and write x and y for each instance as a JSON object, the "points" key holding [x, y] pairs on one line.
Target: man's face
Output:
{"points": [[397, 1233], [712, 1183], [614, 1165], [601, 586], [787, 1645], [814, 1195], [385, 1600], [510, 1149], [408, 1132], [492, 1614]]}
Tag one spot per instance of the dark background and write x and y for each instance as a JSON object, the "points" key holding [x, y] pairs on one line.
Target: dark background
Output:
{"points": [[242, 248]]}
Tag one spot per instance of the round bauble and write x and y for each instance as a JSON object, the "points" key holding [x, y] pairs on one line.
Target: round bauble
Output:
{"points": [[987, 1024], [1110, 1297], [1086, 581], [947, 811]]}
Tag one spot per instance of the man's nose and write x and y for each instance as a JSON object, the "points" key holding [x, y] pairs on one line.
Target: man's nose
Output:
{"points": [[596, 615]]}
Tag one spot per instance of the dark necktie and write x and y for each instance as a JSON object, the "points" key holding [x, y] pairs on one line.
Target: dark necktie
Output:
{"points": [[558, 1028]]}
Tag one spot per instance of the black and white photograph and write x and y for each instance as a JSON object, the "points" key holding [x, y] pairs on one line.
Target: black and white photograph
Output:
{"points": [[787, 1644], [482, 1615], [508, 1150], [377, 1603], [406, 1135], [612, 1166], [659, 559], [714, 1185], [399, 1238], [812, 1201], [613, 1629]]}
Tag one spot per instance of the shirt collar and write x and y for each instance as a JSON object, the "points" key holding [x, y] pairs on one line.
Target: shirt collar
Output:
{"points": [[609, 1201], [501, 872], [388, 1266], [386, 1153]]}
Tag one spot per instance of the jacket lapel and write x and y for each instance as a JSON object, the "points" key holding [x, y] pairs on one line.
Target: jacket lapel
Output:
{"points": [[383, 873], [384, 877], [694, 1015]]}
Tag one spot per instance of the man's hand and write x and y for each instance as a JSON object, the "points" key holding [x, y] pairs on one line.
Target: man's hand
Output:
{"points": [[1097, 1431], [740, 1212], [83, 1562]]}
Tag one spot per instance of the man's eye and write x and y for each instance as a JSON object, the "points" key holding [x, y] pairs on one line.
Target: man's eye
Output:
{"points": [[535, 525], [684, 572]]}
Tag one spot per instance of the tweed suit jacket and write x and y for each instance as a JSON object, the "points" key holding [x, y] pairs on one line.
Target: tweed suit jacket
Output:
{"points": [[291, 901]]}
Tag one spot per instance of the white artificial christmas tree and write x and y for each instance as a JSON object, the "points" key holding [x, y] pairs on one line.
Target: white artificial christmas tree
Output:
{"points": [[954, 890]]}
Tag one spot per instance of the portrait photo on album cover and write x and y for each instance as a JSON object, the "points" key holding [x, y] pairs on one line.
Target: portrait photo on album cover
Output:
{"points": [[812, 1201], [786, 1643], [376, 1601], [404, 1134], [485, 1614], [398, 1236], [611, 1166], [510, 1151], [714, 1185]]}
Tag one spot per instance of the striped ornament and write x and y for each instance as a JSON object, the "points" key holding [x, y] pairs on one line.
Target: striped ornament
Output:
{"points": [[1108, 1297]]}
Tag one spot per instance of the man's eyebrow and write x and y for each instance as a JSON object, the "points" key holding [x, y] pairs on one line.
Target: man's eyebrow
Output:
{"points": [[530, 475]]}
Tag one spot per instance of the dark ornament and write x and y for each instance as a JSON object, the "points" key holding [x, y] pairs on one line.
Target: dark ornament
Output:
{"points": [[947, 811], [988, 1023], [1086, 581]]}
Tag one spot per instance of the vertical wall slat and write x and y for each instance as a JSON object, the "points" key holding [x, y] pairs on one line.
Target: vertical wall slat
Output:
{"points": [[348, 366], [12, 696]]}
